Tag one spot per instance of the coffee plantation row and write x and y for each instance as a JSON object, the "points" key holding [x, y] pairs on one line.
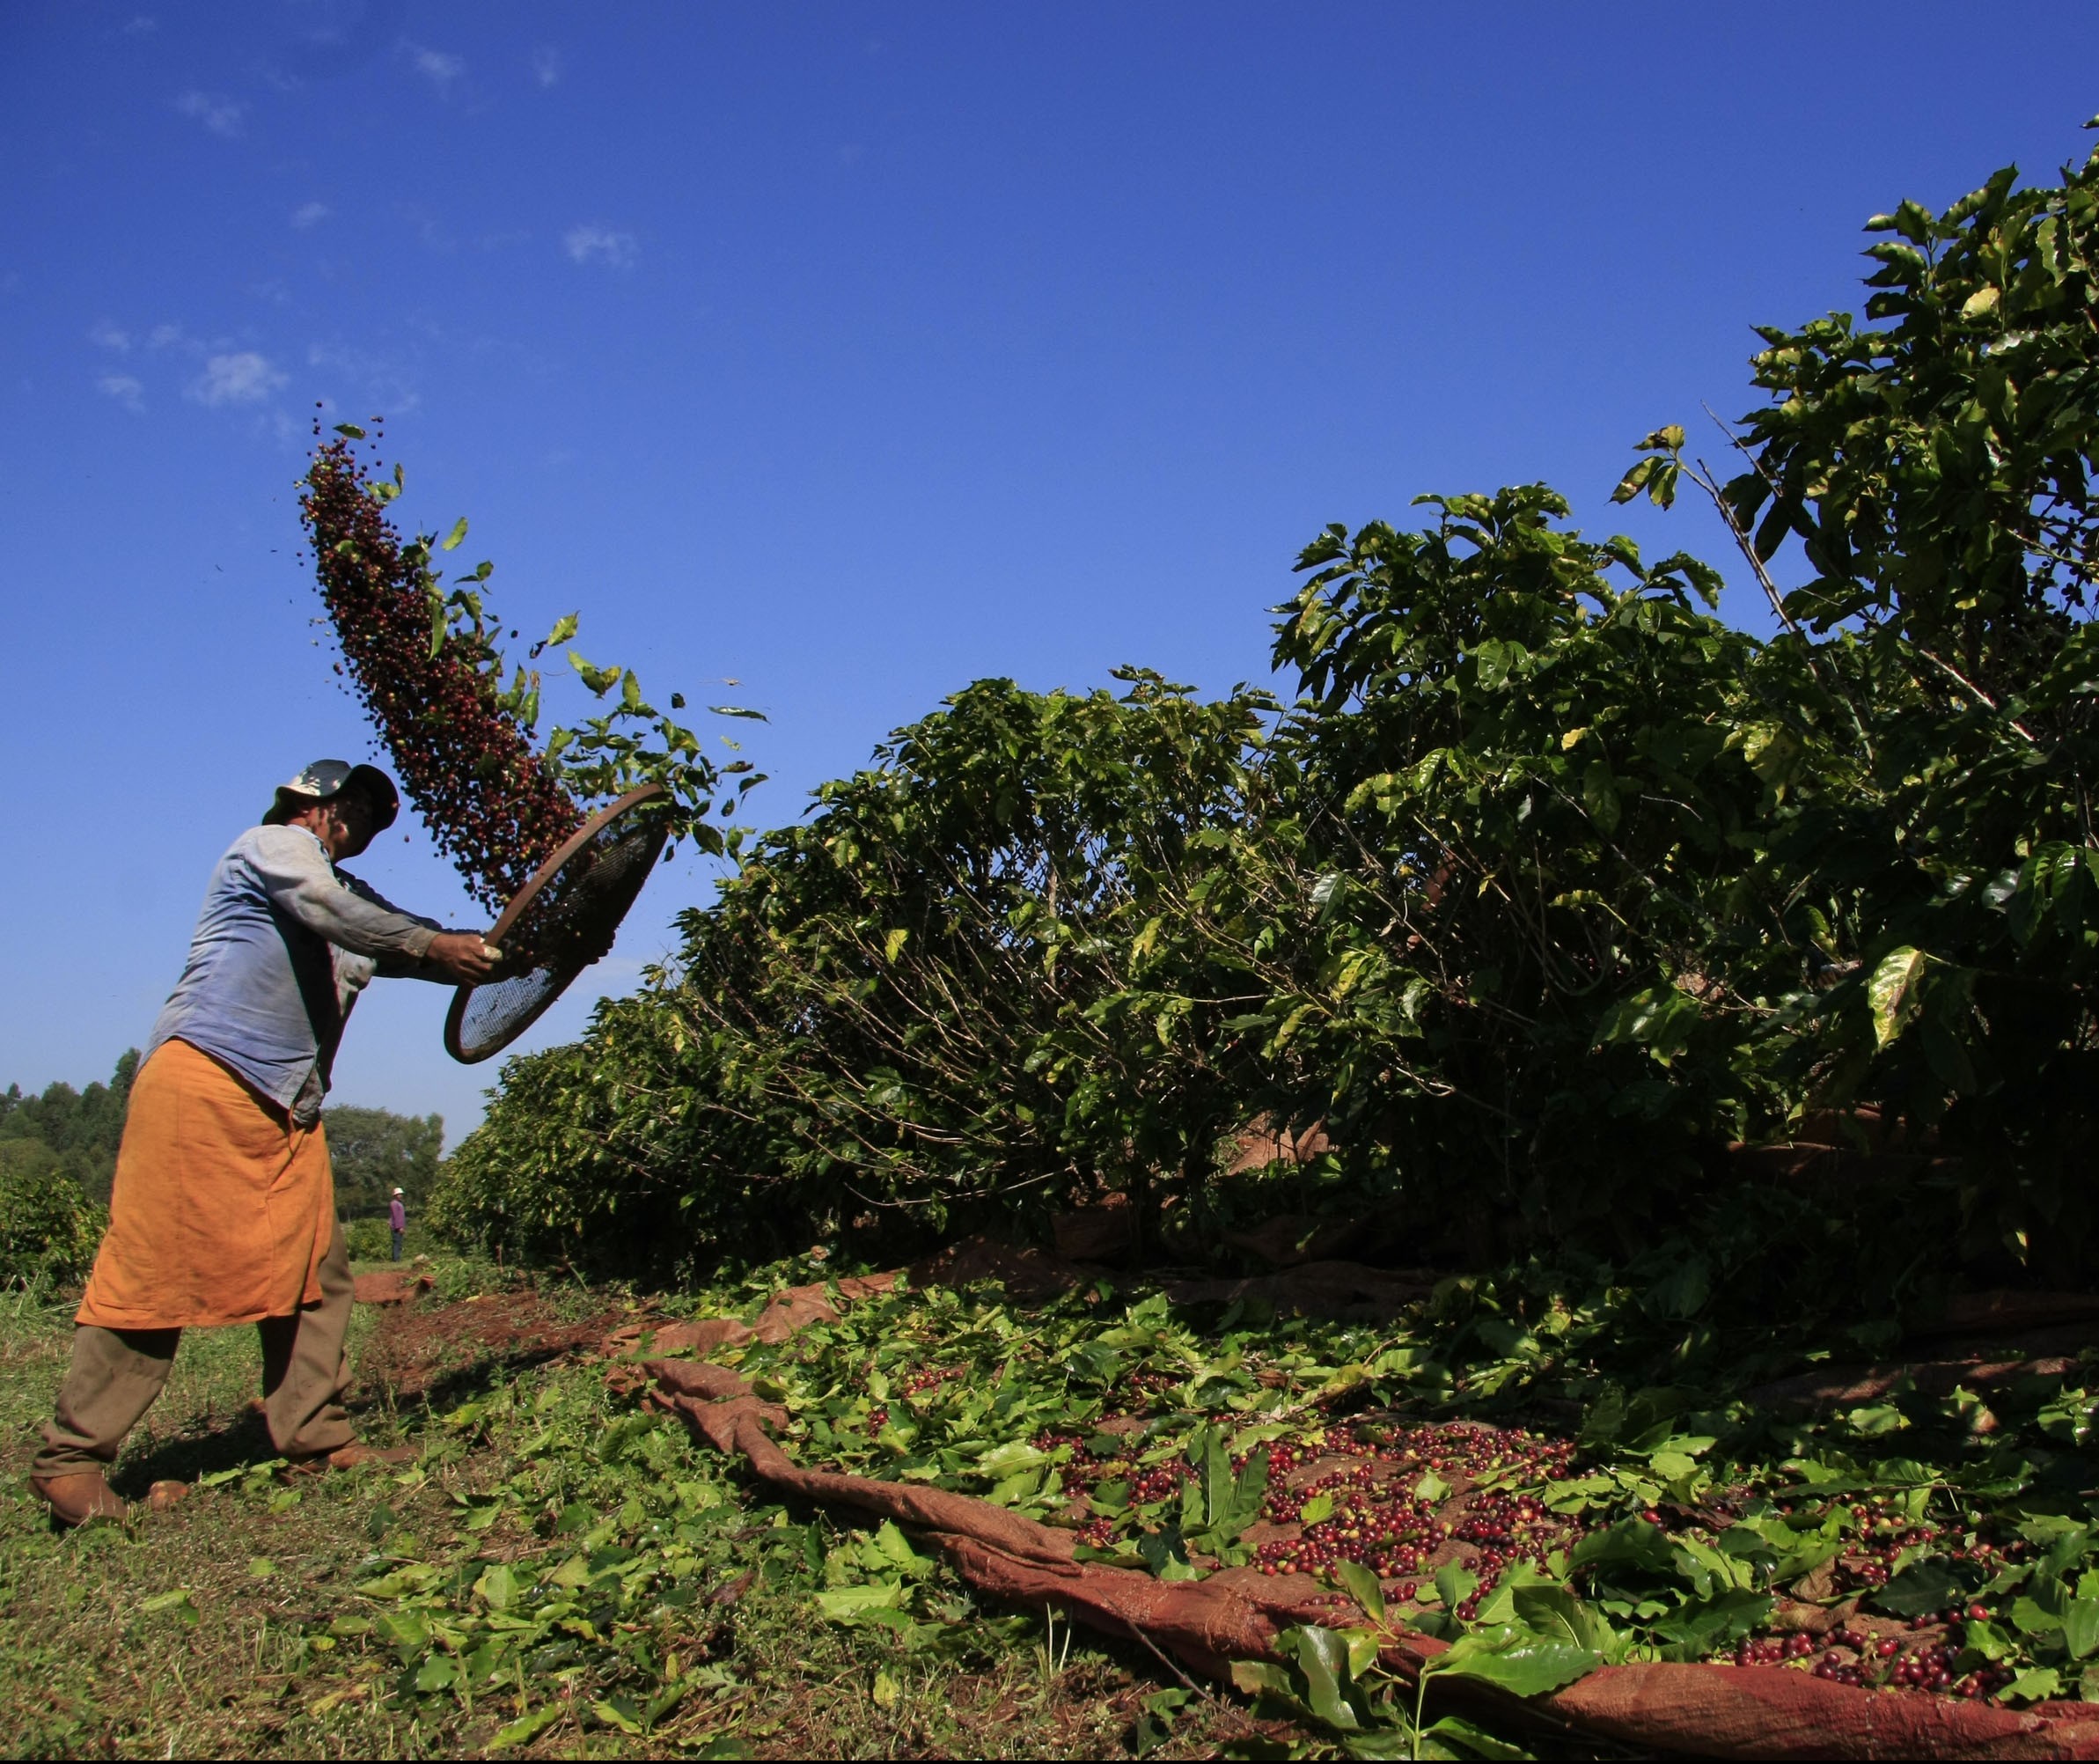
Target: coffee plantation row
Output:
{"points": [[1537, 888]]}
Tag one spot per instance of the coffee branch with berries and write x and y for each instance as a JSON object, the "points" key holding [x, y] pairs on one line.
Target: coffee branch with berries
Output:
{"points": [[421, 653]]}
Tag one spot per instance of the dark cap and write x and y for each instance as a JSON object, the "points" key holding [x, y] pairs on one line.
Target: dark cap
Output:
{"points": [[327, 778]]}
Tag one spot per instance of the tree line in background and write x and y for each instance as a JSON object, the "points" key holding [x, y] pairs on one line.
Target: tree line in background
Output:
{"points": [[58, 1158], [1539, 887]]}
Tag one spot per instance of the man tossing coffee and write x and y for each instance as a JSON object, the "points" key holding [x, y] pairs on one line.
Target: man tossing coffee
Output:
{"points": [[223, 1209]]}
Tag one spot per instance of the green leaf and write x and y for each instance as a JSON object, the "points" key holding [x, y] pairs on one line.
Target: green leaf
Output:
{"points": [[1322, 1657], [847, 1604], [619, 1712], [1002, 1460], [453, 539], [1516, 1659], [1455, 1584], [498, 1586], [177, 1600], [528, 1727], [1470, 1741], [1362, 1587], [2080, 1626], [1710, 1624], [2033, 1684], [1894, 992], [1599, 797], [1680, 1294], [406, 1632], [1925, 1586], [350, 429], [1632, 1542], [438, 1672], [1605, 1418], [1251, 1677], [893, 1546], [600, 679], [1553, 1611], [1774, 752], [1659, 1017]]}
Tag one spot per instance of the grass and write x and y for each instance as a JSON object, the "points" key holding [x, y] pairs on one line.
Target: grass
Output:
{"points": [[234, 1626]]}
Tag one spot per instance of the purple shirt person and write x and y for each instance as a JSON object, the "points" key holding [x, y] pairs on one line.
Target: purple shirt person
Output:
{"points": [[397, 1216]]}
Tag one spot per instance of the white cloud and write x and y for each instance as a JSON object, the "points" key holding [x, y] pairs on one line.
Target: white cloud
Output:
{"points": [[434, 65], [243, 379], [310, 214], [584, 243], [382, 377], [166, 336], [109, 336], [547, 65], [221, 116], [124, 388]]}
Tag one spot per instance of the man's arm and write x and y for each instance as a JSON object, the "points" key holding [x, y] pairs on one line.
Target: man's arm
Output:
{"points": [[303, 884], [451, 957], [433, 963]]}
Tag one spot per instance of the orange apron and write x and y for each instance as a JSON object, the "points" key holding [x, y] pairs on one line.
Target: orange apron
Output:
{"points": [[223, 1206]]}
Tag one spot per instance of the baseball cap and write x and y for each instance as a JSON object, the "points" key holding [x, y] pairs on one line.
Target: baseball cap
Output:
{"points": [[326, 778]]}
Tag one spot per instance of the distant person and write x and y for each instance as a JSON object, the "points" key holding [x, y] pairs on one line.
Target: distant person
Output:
{"points": [[396, 1215], [224, 1209]]}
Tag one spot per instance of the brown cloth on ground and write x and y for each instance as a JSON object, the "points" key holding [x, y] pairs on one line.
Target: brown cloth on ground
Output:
{"points": [[1709, 1710], [222, 1208]]}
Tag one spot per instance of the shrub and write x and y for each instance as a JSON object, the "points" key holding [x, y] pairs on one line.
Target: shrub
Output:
{"points": [[368, 1239], [1546, 886], [49, 1229]]}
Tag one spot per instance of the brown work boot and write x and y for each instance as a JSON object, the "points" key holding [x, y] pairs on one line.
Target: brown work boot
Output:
{"points": [[349, 1458], [79, 1497]]}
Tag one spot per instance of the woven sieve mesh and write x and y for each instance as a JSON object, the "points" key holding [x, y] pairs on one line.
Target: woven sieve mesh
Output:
{"points": [[567, 924]]}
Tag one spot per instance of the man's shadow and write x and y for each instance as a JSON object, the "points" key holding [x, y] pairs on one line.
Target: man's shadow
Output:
{"points": [[186, 1457]]}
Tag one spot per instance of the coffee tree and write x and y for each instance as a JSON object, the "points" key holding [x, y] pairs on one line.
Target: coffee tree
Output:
{"points": [[947, 994], [1541, 887]]}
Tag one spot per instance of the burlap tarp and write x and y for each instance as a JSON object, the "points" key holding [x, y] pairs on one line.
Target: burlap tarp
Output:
{"points": [[1240, 1614]]}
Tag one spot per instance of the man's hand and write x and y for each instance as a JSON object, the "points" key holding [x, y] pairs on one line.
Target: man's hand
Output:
{"points": [[462, 955]]}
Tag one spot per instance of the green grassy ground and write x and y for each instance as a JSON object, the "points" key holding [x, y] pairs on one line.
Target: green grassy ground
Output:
{"points": [[233, 1625]]}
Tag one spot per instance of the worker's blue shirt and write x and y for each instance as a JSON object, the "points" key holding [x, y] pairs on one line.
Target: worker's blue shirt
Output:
{"points": [[284, 944]]}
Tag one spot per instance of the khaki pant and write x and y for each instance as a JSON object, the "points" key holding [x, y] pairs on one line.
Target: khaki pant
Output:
{"points": [[117, 1374]]}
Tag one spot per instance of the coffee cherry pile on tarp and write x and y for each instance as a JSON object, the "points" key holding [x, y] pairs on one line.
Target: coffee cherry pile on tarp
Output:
{"points": [[1405, 1500], [490, 801]]}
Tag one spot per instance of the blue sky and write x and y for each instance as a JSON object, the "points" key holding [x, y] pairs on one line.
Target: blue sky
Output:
{"points": [[847, 352]]}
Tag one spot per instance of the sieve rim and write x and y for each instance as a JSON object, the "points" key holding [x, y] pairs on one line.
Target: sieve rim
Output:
{"points": [[522, 903]]}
